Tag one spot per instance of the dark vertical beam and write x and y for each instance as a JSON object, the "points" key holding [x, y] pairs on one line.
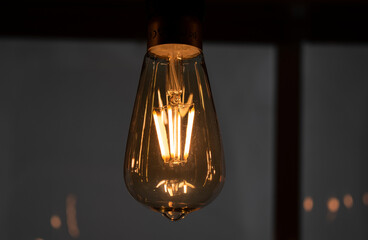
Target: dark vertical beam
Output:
{"points": [[293, 28], [287, 219]]}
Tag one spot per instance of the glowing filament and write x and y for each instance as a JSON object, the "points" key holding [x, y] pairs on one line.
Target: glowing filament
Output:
{"points": [[171, 131], [189, 133], [179, 130], [175, 146], [170, 191], [168, 122], [162, 139]]}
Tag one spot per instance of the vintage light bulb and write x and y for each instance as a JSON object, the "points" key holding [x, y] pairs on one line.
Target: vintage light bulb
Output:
{"points": [[174, 160]]}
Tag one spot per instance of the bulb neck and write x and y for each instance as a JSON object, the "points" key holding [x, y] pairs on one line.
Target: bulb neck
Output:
{"points": [[175, 22], [174, 29]]}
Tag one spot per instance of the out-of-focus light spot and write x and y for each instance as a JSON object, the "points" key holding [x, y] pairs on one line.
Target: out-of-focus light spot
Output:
{"points": [[38, 239], [333, 204], [308, 204], [71, 215], [365, 198], [55, 221], [348, 201]]}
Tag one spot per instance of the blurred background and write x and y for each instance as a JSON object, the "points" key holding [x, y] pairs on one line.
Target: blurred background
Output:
{"points": [[290, 85]]}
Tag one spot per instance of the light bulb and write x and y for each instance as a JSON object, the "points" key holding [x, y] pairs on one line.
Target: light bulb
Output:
{"points": [[174, 158], [174, 161]]}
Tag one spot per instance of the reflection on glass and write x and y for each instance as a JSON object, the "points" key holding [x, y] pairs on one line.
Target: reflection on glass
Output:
{"points": [[71, 215], [174, 158], [173, 187]]}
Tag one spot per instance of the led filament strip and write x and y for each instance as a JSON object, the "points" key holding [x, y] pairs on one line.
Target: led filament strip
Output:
{"points": [[174, 125]]}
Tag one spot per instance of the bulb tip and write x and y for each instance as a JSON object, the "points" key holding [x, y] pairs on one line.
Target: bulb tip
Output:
{"points": [[174, 216]]}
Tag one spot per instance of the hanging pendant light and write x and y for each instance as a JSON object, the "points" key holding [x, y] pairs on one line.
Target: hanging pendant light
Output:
{"points": [[174, 160]]}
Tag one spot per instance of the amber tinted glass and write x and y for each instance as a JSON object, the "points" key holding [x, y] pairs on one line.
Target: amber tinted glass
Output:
{"points": [[174, 158]]}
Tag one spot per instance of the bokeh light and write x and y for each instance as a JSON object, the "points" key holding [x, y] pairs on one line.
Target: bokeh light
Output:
{"points": [[365, 198], [71, 215], [55, 221], [333, 204], [308, 204], [348, 201]]}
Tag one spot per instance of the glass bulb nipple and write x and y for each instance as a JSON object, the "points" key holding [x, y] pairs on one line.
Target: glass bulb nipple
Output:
{"points": [[174, 216]]}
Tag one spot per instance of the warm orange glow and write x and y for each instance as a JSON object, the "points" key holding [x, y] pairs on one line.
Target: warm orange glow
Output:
{"points": [[365, 198], [160, 183], [161, 134], [173, 187], [189, 185], [173, 127], [174, 133], [181, 50], [175, 146], [171, 131], [348, 201], [71, 215], [178, 130], [333, 204], [172, 149], [55, 221], [189, 133], [170, 190], [38, 239], [308, 204]]}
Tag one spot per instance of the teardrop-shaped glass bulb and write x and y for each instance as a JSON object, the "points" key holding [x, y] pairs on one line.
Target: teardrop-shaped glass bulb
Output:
{"points": [[174, 160]]}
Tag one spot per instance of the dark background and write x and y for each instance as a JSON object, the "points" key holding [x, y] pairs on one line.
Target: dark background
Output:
{"points": [[289, 80]]}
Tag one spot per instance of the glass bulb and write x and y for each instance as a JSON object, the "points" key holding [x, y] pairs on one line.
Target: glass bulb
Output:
{"points": [[174, 160]]}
